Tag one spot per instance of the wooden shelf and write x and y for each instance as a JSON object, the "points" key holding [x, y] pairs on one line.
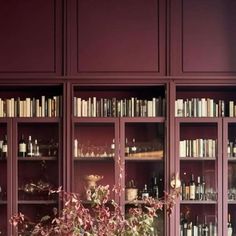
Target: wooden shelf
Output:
{"points": [[197, 202], [143, 159], [37, 202], [233, 202], [37, 119], [155, 155], [37, 158], [93, 158], [232, 159], [197, 158]]}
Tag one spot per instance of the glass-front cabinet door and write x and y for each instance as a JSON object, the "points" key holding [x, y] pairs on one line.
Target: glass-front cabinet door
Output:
{"points": [[199, 162], [143, 161], [95, 153], [5, 177], [229, 178]]}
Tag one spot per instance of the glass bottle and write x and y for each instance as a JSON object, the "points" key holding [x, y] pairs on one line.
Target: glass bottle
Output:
{"points": [[183, 190], [192, 188], [203, 189], [145, 193], [113, 146], [205, 229], [228, 149], [30, 147], [230, 228], [36, 148], [198, 188], [126, 147], [133, 147], [4, 147], [155, 189], [22, 146]]}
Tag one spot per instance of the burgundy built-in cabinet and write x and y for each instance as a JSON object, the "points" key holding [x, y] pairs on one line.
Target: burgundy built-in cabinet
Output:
{"points": [[116, 37], [176, 49], [31, 38], [202, 37]]}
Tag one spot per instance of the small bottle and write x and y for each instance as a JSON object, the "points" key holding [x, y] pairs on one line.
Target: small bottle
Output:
{"points": [[203, 189], [192, 188], [4, 147], [195, 227], [133, 147], [228, 149], [126, 147], [113, 146], [22, 146], [230, 228], [185, 228], [183, 190], [30, 147], [198, 189], [36, 148], [190, 229], [155, 189], [231, 145], [145, 193], [205, 229]]}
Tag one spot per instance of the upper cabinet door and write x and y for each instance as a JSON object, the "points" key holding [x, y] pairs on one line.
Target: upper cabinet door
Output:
{"points": [[125, 36], [30, 42], [203, 36]]}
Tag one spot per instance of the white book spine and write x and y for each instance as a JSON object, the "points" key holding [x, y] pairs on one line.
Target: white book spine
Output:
{"points": [[27, 100], [79, 107], [231, 109], [204, 107], [154, 107], [43, 106], [94, 107], [149, 108], [182, 148]]}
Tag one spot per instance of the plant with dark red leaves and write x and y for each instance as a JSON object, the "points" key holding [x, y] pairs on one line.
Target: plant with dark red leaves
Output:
{"points": [[98, 217]]}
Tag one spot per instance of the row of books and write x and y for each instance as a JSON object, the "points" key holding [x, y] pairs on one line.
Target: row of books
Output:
{"points": [[198, 148], [30, 107], [112, 107], [200, 107]]}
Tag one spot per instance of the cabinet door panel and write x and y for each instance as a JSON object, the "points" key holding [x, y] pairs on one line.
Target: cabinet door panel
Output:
{"points": [[203, 36], [117, 36], [30, 37]]}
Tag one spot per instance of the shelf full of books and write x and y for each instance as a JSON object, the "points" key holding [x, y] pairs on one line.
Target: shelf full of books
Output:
{"points": [[204, 107], [202, 148], [31, 107], [113, 107]]}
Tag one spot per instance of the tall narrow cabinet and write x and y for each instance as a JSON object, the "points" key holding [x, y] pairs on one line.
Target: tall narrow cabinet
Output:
{"points": [[31, 167], [119, 135]]}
